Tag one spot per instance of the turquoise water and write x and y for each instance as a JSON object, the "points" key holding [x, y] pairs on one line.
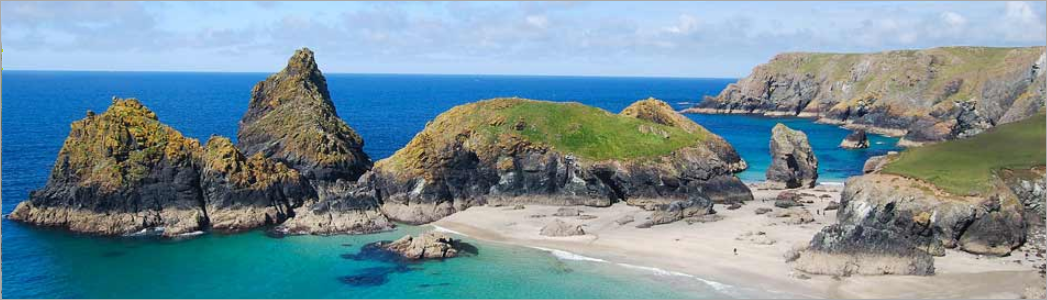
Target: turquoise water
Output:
{"points": [[387, 110]]}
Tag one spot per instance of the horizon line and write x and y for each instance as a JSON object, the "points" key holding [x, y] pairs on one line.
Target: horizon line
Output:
{"points": [[385, 73]]}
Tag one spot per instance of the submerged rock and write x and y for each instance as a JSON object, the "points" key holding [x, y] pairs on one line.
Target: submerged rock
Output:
{"points": [[291, 119], [559, 228], [793, 163], [430, 245], [855, 140]]}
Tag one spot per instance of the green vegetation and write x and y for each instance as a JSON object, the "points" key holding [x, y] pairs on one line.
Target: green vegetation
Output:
{"points": [[571, 128], [968, 166]]}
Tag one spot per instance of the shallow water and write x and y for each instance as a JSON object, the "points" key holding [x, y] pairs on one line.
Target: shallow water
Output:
{"points": [[387, 110]]}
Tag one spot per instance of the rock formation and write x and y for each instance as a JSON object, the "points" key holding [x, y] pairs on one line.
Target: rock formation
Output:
{"points": [[291, 119], [678, 210], [924, 95], [855, 140], [431, 245], [658, 111], [243, 193], [516, 150], [793, 163], [845, 250], [341, 208], [559, 228], [121, 172]]}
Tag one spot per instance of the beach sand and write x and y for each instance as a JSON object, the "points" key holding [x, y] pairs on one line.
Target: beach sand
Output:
{"points": [[707, 250]]}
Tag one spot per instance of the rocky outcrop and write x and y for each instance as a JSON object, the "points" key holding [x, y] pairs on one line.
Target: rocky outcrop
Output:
{"points": [[678, 210], [429, 245], [855, 140], [559, 228], [923, 95], [793, 163], [341, 208], [243, 193], [517, 151], [845, 250], [291, 119], [121, 172], [658, 111]]}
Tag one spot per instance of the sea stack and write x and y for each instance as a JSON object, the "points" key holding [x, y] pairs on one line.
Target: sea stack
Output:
{"points": [[291, 119], [431, 245], [793, 164], [513, 150], [121, 172], [855, 140]]}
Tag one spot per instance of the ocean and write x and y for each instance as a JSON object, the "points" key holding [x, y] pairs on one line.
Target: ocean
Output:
{"points": [[387, 110]]}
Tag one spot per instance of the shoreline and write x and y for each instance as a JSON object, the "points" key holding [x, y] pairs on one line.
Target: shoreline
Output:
{"points": [[704, 251]]}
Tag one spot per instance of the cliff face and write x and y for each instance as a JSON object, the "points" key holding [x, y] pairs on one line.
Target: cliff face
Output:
{"points": [[121, 172], [509, 150], [291, 119], [924, 95]]}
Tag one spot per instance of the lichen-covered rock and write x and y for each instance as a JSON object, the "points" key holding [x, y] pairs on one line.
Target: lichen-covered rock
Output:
{"points": [[845, 250], [559, 228], [242, 193], [121, 172], [925, 95], [793, 163], [431, 245], [291, 119], [516, 151], [856, 140]]}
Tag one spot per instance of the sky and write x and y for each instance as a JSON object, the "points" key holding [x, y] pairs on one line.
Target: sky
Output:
{"points": [[670, 39]]}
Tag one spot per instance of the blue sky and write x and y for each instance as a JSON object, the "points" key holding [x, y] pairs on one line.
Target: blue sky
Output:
{"points": [[682, 39]]}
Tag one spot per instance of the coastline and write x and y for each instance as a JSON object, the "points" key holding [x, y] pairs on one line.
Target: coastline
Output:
{"points": [[704, 251]]}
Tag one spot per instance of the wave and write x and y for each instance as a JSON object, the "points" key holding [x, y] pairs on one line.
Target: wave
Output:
{"points": [[832, 183], [445, 230], [715, 285], [564, 255]]}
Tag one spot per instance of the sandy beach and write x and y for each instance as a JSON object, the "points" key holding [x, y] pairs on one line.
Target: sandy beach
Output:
{"points": [[707, 250]]}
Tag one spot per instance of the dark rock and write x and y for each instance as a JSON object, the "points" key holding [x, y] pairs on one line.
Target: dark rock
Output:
{"points": [[786, 203], [679, 210], [833, 205], [291, 119], [341, 208], [763, 210], [855, 140], [734, 206], [793, 163], [845, 250]]}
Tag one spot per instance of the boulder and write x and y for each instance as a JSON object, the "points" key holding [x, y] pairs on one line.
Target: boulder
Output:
{"points": [[833, 205], [794, 216], [844, 250], [679, 210], [793, 164], [856, 140], [559, 228], [763, 210], [291, 119], [567, 212], [431, 245]]}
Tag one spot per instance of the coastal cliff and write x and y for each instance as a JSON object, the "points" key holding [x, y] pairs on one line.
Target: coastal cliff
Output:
{"points": [[924, 96], [982, 195], [512, 150]]}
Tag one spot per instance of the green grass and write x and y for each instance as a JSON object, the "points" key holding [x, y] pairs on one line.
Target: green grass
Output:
{"points": [[968, 166], [591, 132]]}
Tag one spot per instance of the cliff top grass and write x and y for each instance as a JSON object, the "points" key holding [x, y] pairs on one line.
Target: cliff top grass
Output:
{"points": [[931, 72], [571, 128], [968, 166]]}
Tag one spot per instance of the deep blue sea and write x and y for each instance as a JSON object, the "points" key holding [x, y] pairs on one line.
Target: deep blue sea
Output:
{"points": [[387, 110]]}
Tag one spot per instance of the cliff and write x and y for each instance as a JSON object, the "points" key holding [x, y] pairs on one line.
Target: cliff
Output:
{"points": [[513, 150], [982, 195], [291, 119], [924, 96]]}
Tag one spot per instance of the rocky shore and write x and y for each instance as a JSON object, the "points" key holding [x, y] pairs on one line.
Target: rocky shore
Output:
{"points": [[924, 96]]}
